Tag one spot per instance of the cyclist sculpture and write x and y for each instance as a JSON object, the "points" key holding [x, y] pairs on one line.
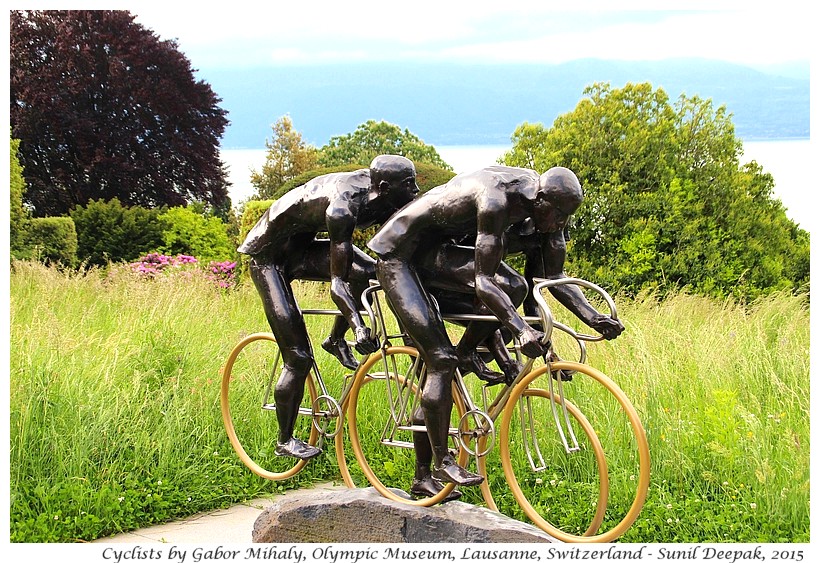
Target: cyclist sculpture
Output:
{"points": [[417, 255], [283, 247]]}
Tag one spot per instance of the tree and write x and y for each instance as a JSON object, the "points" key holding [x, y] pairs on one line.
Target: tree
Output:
{"points": [[667, 203], [104, 108], [373, 138], [18, 216], [287, 157]]}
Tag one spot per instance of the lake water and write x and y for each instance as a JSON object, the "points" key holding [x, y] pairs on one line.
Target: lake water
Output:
{"points": [[790, 162]]}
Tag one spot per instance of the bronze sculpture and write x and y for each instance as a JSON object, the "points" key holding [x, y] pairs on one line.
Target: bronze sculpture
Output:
{"points": [[417, 254], [283, 247]]}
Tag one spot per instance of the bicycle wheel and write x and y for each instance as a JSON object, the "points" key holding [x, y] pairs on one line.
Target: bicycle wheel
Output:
{"points": [[539, 437], [567, 490], [379, 417], [248, 410]]}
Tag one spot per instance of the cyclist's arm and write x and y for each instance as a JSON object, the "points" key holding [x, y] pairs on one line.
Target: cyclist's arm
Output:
{"points": [[341, 222], [489, 251], [553, 253]]}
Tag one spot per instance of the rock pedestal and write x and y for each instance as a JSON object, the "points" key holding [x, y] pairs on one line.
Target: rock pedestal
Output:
{"points": [[364, 516]]}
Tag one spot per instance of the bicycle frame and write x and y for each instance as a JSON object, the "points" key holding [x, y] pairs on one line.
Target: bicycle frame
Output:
{"points": [[490, 413]]}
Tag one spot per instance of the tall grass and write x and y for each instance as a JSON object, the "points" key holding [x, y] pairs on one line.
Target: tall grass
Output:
{"points": [[115, 420]]}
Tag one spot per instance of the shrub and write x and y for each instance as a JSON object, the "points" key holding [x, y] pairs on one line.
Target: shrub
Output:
{"points": [[223, 274], [107, 231], [19, 215], [53, 240], [428, 176], [154, 263], [254, 210], [188, 232]]}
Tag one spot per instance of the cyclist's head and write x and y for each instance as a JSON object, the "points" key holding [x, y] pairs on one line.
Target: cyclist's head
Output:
{"points": [[395, 177], [559, 196]]}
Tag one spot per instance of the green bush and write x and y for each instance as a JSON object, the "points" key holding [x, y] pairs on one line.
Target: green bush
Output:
{"points": [[53, 240], [428, 176], [107, 231], [184, 231], [254, 210], [19, 216]]}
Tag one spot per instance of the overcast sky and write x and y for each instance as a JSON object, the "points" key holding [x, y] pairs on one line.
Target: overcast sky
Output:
{"points": [[229, 34]]}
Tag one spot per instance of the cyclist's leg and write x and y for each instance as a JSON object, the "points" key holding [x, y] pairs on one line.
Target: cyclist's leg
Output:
{"points": [[452, 302], [423, 483], [419, 317], [314, 264], [289, 329], [452, 269]]}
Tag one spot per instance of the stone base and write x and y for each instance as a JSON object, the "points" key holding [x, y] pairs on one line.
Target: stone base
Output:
{"points": [[364, 516]]}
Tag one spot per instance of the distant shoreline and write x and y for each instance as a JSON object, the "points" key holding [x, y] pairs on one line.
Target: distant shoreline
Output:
{"points": [[746, 140]]}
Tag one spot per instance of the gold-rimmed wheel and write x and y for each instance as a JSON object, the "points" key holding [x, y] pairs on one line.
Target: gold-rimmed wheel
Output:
{"points": [[248, 410]]}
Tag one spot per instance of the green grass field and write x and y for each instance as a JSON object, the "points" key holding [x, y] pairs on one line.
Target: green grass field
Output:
{"points": [[115, 420]]}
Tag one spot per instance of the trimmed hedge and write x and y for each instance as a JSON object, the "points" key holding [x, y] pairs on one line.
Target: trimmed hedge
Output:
{"points": [[53, 240]]}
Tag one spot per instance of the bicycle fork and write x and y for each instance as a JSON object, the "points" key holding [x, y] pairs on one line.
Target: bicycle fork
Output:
{"points": [[560, 418]]}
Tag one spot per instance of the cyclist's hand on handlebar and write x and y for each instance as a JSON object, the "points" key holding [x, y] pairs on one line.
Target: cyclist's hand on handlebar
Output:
{"points": [[364, 343], [610, 328], [531, 342]]}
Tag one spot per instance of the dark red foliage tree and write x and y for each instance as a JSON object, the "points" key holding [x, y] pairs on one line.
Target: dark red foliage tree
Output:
{"points": [[103, 108]]}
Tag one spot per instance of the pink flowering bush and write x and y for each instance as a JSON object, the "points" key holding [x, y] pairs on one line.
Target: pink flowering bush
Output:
{"points": [[155, 263], [222, 274]]}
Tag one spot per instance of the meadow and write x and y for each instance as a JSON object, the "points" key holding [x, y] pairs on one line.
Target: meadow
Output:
{"points": [[115, 420]]}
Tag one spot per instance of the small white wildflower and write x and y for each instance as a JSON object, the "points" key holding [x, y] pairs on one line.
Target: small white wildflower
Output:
{"points": [[669, 520], [753, 506], [120, 499], [159, 482], [669, 507], [538, 480]]}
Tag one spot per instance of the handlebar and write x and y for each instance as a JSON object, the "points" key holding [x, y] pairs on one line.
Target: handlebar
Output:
{"points": [[547, 319], [374, 286]]}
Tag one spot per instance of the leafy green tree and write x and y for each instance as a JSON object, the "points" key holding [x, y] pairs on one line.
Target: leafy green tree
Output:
{"points": [[667, 203], [18, 214], [373, 138], [105, 109], [287, 157], [109, 232], [187, 232]]}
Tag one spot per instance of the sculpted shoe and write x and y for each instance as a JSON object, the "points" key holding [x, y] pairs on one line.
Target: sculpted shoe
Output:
{"points": [[429, 487], [451, 472], [341, 350], [511, 370], [298, 449], [474, 364]]}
